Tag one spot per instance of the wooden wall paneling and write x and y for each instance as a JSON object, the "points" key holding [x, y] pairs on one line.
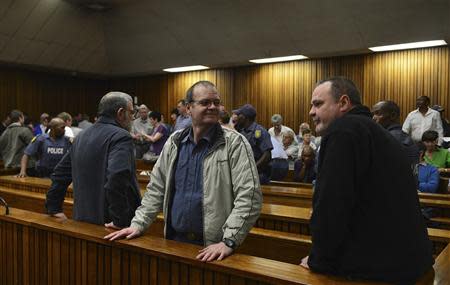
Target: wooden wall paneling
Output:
{"points": [[283, 88]]}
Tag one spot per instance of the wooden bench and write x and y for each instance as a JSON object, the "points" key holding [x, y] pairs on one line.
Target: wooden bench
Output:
{"points": [[286, 228], [280, 246], [36, 248]]}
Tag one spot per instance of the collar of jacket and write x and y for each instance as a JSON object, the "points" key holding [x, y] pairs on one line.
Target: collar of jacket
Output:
{"points": [[218, 138], [108, 120], [394, 127], [15, 125], [360, 110]]}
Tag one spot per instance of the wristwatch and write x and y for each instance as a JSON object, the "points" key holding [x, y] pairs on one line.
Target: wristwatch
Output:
{"points": [[230, 243]]}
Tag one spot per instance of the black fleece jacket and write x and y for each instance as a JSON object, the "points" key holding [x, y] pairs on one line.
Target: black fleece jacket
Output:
{"points": [[366, 221]]}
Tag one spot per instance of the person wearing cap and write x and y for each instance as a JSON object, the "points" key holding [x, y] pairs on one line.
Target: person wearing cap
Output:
{"points": [[445, 122], [422, 119], [258, 138], [204, 181], [277, 130]]}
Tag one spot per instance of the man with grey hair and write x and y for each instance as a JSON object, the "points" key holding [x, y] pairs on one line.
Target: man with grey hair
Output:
{"points": [[141, 127], [101, 165], [277, 130]]}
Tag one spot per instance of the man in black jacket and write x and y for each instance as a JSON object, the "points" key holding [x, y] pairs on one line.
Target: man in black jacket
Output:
{"points": [[101, 164], [387, 114], [366, 221]]}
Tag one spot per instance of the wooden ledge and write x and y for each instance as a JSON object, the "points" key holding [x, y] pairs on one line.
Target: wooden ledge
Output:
{"points": [[240, 265]]}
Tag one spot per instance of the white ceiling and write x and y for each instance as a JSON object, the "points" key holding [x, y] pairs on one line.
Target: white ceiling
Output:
{"points": [[144, 36]]}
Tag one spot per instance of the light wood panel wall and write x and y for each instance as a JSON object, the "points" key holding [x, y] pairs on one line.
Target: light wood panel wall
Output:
{"points": [[286, 88], [283, 88], [36, 92]]}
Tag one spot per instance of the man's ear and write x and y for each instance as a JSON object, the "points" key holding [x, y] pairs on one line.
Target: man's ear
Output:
{"points": [[188, 108], [344, 103], [120, 113]]}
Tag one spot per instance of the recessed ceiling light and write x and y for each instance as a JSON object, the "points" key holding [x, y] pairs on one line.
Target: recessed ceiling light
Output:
{"points": [[278, 59], [186, 68], [409, 45]]}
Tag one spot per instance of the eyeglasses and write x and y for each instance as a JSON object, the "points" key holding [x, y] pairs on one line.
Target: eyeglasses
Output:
{"points": [[207, 102]]}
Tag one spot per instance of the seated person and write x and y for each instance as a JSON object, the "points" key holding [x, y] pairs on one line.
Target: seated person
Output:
{"points": [[428, 182], [158, 137], [290, 146], [304, 126], [47, 150], [280, 164], [306, 140], [434, 155], [427, 174], [304, 170]]}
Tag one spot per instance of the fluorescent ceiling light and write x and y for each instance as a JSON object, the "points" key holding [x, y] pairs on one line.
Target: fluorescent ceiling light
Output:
{"points": [[409, 45], [278, 59], [186, 68]]}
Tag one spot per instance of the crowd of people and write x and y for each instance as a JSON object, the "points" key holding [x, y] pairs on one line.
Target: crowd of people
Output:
{"points": [[210, 163]]}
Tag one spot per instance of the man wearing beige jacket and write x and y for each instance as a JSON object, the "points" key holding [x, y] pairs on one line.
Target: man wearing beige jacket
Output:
{"points": [[205, 182]]}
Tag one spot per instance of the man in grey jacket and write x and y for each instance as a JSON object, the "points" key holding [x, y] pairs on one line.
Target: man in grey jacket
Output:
{"points": [[205, 181], [14, 140]]}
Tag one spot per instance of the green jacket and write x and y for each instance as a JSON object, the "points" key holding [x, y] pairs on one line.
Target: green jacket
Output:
{"points": [[13, 142], [232, 196]]}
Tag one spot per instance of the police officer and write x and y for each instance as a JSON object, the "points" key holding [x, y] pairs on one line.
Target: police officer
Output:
{"points": [[258, 138], [47, 149]]}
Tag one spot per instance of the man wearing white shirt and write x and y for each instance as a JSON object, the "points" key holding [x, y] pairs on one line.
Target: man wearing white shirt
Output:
{"points": [[278, 129], [423, 119], [280, 164]]}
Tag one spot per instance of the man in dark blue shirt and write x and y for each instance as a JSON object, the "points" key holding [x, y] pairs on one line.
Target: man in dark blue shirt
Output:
{"points": [[258, 138], [205, 182], [102, 166], [47, 149]]}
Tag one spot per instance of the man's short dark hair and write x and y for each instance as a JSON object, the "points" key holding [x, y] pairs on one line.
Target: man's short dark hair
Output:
{"points": [[190, 91], [429, 136], [182, 102], [341, 85], [224, 117], [175, 111], [112, 102], [426, 98], [390, 108], [15, 115], [155, 116]]}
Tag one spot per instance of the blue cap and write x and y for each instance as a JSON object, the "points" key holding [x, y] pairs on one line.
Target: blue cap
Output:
{"points": [[247, 110]]}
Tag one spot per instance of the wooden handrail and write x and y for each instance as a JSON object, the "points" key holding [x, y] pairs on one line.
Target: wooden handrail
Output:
{"points": [[146, 256]]}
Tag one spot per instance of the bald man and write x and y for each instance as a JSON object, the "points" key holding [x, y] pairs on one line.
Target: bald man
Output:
{"points": [[47, 149], [387, 114]]}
